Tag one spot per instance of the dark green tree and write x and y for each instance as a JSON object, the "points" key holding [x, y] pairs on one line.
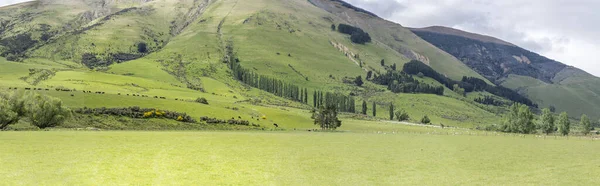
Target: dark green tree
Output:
{"points": [[364, 108], [374, 109], [382, 62], [358, 81], [391, 111]]}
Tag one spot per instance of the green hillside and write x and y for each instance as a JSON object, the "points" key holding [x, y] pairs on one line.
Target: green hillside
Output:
{"points": [[96, 47], [547, 82]]}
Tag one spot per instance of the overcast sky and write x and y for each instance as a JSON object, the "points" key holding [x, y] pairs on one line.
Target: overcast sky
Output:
{"points": [[10, 2], [564, 30]]}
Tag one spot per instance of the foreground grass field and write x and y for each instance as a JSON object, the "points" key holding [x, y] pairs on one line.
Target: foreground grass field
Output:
{"points": [[292, 158]]}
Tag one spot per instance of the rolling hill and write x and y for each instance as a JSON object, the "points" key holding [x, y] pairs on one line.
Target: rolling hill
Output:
{"points": [[546, 81], [184, 49]]}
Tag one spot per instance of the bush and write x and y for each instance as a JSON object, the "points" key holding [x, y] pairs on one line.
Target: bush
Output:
{"points": [[7, 115], [46, 111], [142, 47], [425, 120], [202, 100], [402, 115]]}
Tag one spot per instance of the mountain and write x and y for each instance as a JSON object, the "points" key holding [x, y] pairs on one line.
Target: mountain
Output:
{"points": [[546, 81], [226, 51]]}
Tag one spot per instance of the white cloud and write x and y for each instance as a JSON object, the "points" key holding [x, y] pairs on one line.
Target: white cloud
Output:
{"points": [[10, 2], [564, 30]]}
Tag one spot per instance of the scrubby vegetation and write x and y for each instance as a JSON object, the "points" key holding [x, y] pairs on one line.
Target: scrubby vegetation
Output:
{"points": [[469, 84], [357, 35], [41, 110], [137, 112], [401, 82]]}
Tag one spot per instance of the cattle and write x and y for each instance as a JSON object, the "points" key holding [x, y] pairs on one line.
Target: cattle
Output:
{"points": [[275, 124], [239, 117], [72, 95], [27, 88], [155, 96], [127, 94], [119, 94], [47, 89]]}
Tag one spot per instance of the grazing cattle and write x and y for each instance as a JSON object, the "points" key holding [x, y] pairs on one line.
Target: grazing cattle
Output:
{"points": [[239, 117], [102, 92], [27, 88], [275, 124], [163, 98], [119, 94], [72, 95], [127, 94], [47, 89], [9, 88], [155, 96]]}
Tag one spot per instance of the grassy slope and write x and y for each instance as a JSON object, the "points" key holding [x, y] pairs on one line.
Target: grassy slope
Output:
{"points": [[292, 158], [574, 95], [196, 54]]}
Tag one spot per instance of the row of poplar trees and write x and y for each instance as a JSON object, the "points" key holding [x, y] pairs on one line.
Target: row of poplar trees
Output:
{"points": [[290, 91], [341, 102]]}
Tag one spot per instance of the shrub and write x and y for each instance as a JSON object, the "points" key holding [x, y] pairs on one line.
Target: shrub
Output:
{"points": [[425, 120], [202, 100], [142, 47], [402, 115], [46, 111], [7, 115]]}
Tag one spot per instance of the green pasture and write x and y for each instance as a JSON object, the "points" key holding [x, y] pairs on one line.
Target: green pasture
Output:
{"points": [[293, 158]]}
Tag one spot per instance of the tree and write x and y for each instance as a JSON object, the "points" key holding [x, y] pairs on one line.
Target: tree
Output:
{"points": [[358, 81], [393, 66], [369, 74], [382, 62], [374, 110], [564, 125], [458, 90], [519, 119], [364, 108], [585, 124], [7, 115], [142, 47], [425, 120], [46, 111], [333, 27], [326, 117], [391, 111], [402, 115], [547, 121]]}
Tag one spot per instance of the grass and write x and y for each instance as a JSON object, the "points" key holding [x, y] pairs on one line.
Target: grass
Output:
{"points": [[292, 158]]}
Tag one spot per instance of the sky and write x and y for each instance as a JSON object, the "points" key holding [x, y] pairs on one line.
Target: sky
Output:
{"points": [[564, 30], [10, 2]]}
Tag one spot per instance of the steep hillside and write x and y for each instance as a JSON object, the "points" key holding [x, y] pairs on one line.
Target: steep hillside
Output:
{"points": [[547, 82], [397, 38], [186, 49]]}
